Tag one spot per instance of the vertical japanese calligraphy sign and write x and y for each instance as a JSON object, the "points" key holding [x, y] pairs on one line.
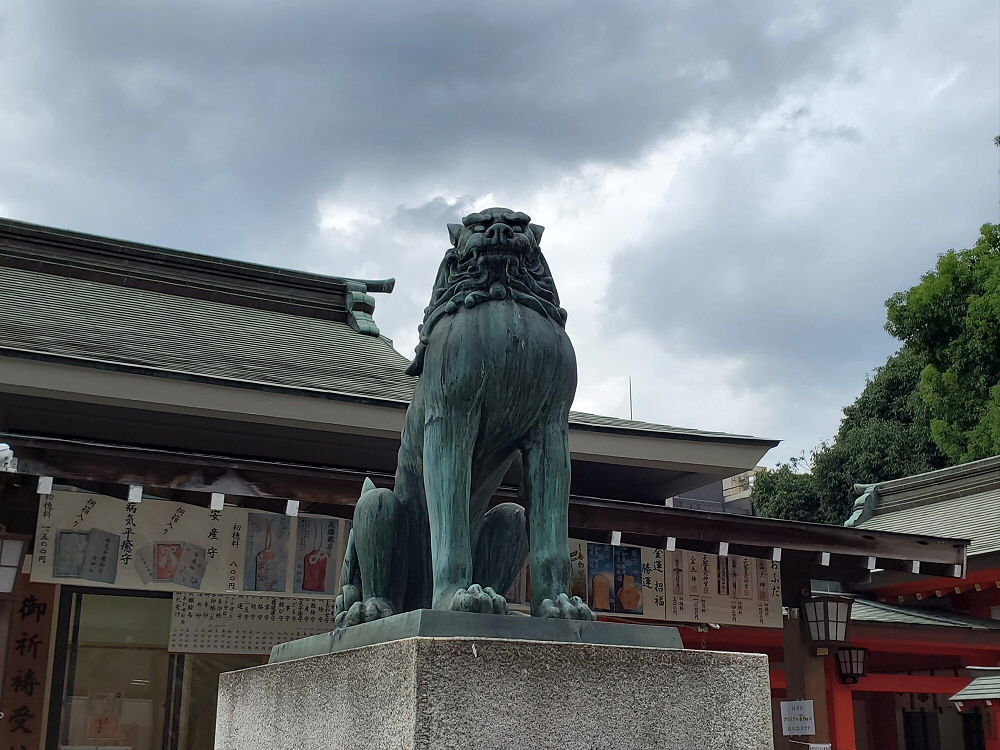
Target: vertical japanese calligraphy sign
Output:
{"points": [[24, 677]]}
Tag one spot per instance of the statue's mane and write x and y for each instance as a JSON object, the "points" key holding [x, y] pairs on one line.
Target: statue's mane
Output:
{"points": [[463, 281]]}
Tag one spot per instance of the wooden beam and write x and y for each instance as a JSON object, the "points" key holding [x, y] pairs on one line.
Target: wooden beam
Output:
{"points": [[911, 683], [193, 473], [927, 585], [765, 533], [151, 468], [915, 639]]}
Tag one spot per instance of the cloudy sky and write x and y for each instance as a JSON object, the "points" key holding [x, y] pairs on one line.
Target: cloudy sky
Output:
{"points": [[730, 190]]}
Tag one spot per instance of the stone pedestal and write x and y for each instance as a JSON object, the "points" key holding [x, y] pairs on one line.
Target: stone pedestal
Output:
{"points": [[477, 693]]}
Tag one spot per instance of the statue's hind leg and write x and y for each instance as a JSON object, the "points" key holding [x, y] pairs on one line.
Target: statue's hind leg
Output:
{"points": [[501, 547], [380, 536]]}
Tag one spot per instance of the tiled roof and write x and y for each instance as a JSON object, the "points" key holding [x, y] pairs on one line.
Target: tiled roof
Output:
{"points": [[975, 517], [868, 611], [94, 322], [594, 420], [985, 686]]}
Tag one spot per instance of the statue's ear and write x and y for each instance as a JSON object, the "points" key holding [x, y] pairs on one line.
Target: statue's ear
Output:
{"points": [[368, 485], [537, 229], [454, 230]]}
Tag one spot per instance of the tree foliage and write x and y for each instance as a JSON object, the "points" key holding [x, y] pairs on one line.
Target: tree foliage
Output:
{"points": [[786, 492], [934, 403], [952, 319], [884, 434]]}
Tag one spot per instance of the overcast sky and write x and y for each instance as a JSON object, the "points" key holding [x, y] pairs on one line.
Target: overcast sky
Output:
{"points": [[730, 190]]}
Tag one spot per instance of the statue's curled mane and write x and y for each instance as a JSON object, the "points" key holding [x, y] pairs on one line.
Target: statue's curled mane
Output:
{"points": [[468, 275]]}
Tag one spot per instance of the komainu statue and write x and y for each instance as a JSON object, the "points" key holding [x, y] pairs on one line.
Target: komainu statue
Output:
{"points": [[497, 377]]}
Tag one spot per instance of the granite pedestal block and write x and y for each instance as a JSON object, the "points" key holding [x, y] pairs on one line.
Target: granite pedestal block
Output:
{"points": [[477, 693]]}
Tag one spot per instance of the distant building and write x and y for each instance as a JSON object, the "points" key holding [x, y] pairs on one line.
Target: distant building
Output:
{"points": [[729, 495]]}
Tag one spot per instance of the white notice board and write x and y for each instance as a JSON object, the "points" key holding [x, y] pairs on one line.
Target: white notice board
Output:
{"points": [[797, 718], [244, 623]]}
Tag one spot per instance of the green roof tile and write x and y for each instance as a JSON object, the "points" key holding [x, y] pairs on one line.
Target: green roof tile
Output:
{"points": [[975, 516], [95, 322], [868, 611]]}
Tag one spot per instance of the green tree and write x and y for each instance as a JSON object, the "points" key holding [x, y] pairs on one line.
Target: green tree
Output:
{"points": [[952, 320], [934, 403], [884, 434], [786, 492]]}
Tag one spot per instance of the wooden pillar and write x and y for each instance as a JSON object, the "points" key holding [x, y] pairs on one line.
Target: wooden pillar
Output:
{"points": [[882, 720], [805, 674], [991, 726], [841, 698]]}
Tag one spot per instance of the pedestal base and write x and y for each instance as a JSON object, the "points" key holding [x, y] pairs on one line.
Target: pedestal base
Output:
{"points": [[499, 694]]}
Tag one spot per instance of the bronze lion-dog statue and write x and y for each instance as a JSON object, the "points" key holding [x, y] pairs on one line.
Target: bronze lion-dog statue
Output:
{"points": [[497, 377]]}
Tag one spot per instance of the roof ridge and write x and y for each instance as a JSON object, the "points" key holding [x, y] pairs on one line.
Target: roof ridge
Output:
{"points": [[968, 469], [589, 418], [180, 273], [931, 615]]}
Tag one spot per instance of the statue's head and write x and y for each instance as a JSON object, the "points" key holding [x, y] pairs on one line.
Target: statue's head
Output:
{"points": [[494, 256], [496, 233]]}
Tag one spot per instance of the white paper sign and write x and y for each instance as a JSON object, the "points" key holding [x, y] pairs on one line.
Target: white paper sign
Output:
{"points": [[676, 585], [244, 623], [97, 540], [797, 718]]}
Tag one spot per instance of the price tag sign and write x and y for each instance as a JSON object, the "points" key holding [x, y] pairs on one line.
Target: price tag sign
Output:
{"points": [[797, 718]]}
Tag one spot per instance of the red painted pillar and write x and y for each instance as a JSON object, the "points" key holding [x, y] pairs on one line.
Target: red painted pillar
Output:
{"points": [[840, 702]]}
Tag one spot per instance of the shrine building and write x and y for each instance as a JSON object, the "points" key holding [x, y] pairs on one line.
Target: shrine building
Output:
{"points": [[182, 441]]}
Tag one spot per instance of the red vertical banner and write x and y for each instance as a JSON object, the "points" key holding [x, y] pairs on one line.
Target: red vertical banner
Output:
{"points": [[26, 667]]}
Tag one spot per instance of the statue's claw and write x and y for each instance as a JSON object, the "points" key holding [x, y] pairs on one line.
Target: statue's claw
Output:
{"points": [[565, 608], [478, 599], [366, 611], [349, 595]]}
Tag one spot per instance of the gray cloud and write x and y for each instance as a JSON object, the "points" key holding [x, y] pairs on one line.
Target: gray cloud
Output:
{"points": [[798, 241], [223, 126], [216, 125]]}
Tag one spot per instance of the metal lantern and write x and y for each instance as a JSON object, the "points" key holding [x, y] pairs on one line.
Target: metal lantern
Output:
{"points": [[852, 663], [826, 617]]}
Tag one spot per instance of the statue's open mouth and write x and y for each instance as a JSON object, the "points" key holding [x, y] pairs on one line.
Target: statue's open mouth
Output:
{"points": [[495, 252]]}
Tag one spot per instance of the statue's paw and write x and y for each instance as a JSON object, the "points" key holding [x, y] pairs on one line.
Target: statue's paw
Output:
{"points": [[478, 599], [347, 598], [366, 611], [565, 608]]}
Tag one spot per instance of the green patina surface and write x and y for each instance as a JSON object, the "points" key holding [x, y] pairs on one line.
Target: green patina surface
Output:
{"points": [[497, 377]]}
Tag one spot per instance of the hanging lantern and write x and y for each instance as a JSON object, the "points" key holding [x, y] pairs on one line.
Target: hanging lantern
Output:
{"points": [[852, 664], [826, 617]]}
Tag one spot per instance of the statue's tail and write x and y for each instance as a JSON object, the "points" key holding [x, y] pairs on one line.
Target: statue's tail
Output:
{"points": [[350, 579], [350, 571]]}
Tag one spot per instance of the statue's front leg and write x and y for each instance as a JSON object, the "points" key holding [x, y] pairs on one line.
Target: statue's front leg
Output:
{"points": [[448, 445], [546, 487]]}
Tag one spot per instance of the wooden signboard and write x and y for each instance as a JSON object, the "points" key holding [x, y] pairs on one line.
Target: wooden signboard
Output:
{"points": [[677, 585], [26, 665]]}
